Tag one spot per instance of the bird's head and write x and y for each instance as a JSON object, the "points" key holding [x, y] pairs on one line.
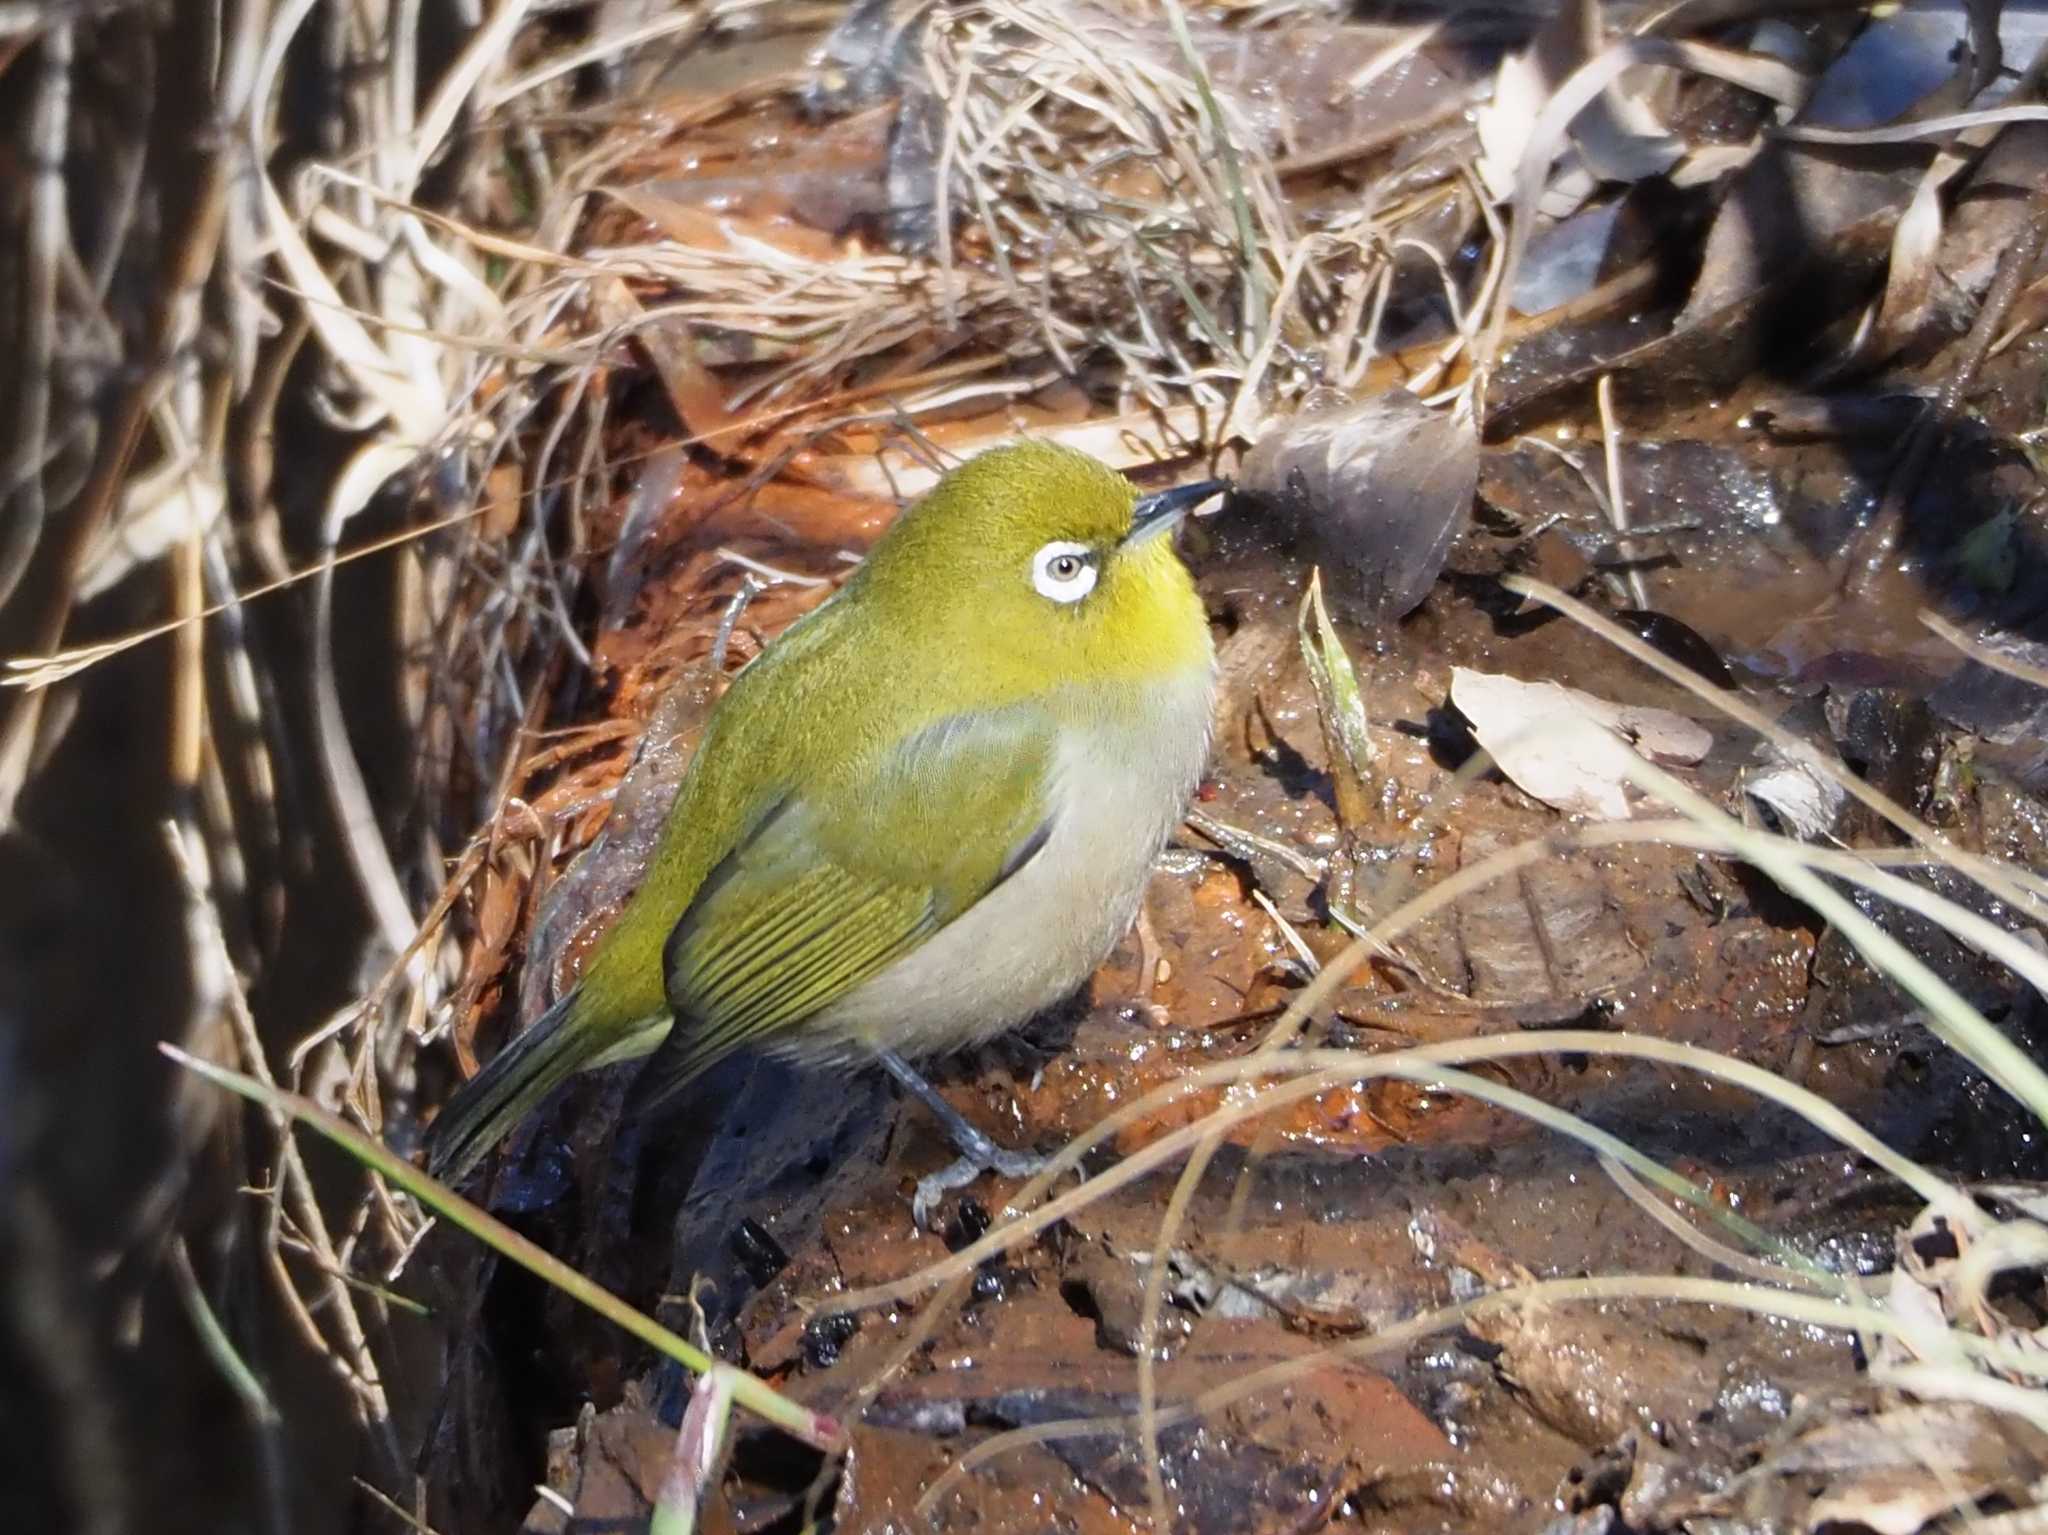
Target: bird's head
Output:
{"points": [[1039, 566]]}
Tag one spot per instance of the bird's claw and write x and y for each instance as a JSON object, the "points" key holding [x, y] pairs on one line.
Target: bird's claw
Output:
{"points": [[978, 1154], [984, 1157]]}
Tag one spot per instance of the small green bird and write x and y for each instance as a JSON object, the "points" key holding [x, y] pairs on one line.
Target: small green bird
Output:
{"points": [[923, 815]]}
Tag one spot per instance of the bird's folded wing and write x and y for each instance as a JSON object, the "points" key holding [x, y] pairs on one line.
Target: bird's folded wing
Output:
{"points": [[835, 883]]}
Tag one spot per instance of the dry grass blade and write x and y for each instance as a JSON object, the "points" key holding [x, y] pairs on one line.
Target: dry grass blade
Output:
{"points": [[700, 1446], [294, 1198], [1257, 283], [1616, 502], [21, 477], [392, 1507], [815, 1429], [1933, 1383], [1984, 654], [34, 672], [1341, 702], [1646, 1200], [1924, 128], [362, 835], [1307, 1073]]}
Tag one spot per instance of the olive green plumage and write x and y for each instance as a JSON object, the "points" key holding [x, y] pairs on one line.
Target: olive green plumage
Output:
{"points": [[923, 814]]}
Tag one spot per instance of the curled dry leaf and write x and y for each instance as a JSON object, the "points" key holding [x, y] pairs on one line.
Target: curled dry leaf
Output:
{"points": [[1805, 800], [1898, 1470], [1891, 1468], [1373, 490], [1567, 748], [1619, 135]]}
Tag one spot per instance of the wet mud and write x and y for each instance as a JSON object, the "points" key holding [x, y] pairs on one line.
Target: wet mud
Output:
{"points": [[1349, 1212]]}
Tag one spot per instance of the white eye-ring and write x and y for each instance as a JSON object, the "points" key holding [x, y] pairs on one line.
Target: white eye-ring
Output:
{"points": [[1064, 572]]}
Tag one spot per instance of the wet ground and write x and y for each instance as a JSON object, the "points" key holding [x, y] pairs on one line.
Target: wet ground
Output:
{"points": [[1364, 1205], [729, 347], [773, 1194]]}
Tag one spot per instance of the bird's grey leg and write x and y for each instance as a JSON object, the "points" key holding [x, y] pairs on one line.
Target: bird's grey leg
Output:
{"points": [[978, 1154]]}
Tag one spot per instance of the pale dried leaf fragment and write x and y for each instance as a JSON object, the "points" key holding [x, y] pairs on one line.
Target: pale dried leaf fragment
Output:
{"points": [[1505, 122], [1909, 291], [1895, 1470], [1619, 135], [180, 498], [1569, 749], [1795, 789]]}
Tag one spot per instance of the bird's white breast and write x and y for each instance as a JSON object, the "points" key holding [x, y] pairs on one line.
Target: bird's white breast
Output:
{"points": [[1120, 784]]}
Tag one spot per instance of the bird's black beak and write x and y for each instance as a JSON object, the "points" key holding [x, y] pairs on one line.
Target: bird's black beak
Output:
{"points": [[1163, 509]]}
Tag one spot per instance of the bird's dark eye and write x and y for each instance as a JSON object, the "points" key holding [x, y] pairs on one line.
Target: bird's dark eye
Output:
{"points": [[1066, 567]]}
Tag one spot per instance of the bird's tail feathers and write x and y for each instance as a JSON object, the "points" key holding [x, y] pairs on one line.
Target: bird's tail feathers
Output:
{"points": [[487, 1107]]}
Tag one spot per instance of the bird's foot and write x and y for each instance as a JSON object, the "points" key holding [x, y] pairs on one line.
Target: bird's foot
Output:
{"points": [[978, 1155]]}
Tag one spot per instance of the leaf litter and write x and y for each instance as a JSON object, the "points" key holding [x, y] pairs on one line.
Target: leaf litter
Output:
{"points": [[1196, 298], [1445, 332]]}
